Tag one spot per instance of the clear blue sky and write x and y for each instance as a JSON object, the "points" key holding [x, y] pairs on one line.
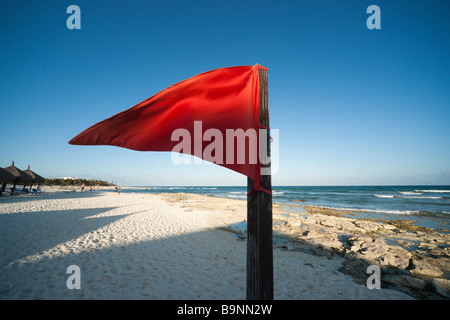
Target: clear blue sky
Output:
{"points": [[353, 106]]}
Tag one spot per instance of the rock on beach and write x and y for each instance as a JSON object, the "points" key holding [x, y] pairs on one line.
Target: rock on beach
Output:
{"points": [[422, 254]]}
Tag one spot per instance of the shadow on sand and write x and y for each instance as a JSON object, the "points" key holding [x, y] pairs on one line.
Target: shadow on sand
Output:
{"points": [[48, 195]]}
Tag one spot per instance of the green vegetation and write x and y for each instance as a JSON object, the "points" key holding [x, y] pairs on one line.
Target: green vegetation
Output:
{"points": [[76, 182]]}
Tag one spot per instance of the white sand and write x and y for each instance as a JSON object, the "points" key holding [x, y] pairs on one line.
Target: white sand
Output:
{"points": [[138, 246]]}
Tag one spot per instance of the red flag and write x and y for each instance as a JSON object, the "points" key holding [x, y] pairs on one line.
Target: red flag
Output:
{"points": [[218, 109]]}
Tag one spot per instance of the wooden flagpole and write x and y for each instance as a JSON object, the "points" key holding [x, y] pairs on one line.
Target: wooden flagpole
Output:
{"points": [[259, 217]]}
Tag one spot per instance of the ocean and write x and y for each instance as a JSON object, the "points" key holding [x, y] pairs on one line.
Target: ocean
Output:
{"points": [[428, 205]]}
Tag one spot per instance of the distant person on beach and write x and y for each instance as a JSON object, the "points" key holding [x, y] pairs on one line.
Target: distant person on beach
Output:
{"points": [[82, 187], [115, 189], [118, 189]]}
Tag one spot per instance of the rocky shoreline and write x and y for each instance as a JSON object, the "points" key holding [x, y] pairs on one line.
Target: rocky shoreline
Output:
{"points": [[412, 259]]}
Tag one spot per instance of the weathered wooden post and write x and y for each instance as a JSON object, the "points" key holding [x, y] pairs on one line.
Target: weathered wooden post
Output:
{"points": [[259, 216]]}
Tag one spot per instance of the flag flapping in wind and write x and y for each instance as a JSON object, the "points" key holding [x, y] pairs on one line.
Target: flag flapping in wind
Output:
{"points": [[216, 108]]}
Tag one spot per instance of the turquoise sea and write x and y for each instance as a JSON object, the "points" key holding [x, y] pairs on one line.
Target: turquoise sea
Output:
{"points": [[429, 205]]}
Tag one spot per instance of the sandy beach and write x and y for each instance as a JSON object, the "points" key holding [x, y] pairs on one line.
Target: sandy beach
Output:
{"points": [[156, 246]]}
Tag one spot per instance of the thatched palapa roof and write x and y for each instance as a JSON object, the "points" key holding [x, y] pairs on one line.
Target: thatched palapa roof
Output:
{"points": [[34, 176], [6, 176], [20, 177]]}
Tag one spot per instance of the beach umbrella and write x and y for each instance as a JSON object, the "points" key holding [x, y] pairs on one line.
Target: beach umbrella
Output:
{"points": [[5, 178], [20, 177], [35, 178]]}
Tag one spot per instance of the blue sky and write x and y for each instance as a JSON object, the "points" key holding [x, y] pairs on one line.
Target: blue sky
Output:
{"points": [[353, 106]]}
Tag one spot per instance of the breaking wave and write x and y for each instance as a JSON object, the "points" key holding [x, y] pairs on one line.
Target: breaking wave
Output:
{"points": [[404, 212], [434, 191], [404, 197]]}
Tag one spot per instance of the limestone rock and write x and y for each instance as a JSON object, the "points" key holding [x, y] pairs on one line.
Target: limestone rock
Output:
{"points": [[337, 223], [388, 226], [405, 280], [442, 287], [361, 244], [355, 268], [421, 266], [395, 257], [368, 225], [377, 251], [294, 224]]}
